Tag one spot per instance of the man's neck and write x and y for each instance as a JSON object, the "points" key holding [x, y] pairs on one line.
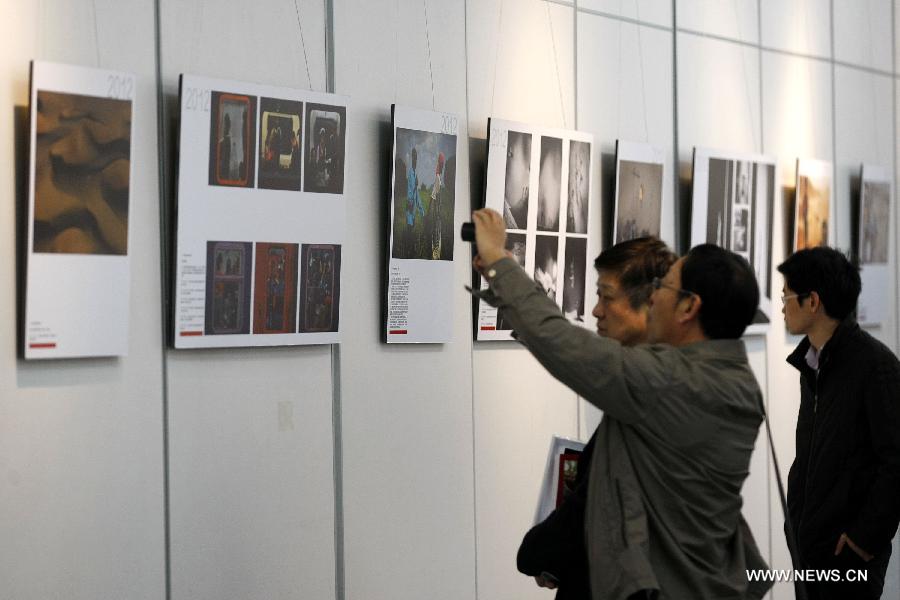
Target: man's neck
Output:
{"points": [[821, 332]]}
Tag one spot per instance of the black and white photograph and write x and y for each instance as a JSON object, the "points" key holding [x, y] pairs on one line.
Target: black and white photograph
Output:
{"points": [[573, 278], [549, 184], [546, 263], [555, 166], [874, 222], [516, 244], [734, 199], [280, 152], [518, 174], [324, 148], [579, 186], [638, 200]]}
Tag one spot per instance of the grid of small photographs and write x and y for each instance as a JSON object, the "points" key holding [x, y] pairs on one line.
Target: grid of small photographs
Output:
{"points": [[290, 156], [547, 231], [261, 215], [271, 300]]}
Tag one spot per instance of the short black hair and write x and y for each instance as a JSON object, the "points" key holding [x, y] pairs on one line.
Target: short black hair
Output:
{"points": [[827, 272], [636, 262], [727, 288]]}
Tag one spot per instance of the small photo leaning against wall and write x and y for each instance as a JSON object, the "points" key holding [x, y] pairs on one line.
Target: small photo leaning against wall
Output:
{"points": [[77, 278], [733, 203], [243, 215], [639, 191], [873, 243], [419, 301], [540, 180]]}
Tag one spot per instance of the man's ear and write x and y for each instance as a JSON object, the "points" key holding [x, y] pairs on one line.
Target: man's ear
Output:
{"points": [[815, 303], [691, 309]]}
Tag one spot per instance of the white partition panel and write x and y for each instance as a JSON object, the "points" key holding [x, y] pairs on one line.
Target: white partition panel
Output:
{"points": [[802, 26], [644, 11], [251, 483], [862, 33], [733, 19], [407, 411], [81, 463]]}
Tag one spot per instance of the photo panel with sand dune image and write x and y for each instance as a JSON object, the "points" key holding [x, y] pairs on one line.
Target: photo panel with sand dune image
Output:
{"points": [[77, 271]]}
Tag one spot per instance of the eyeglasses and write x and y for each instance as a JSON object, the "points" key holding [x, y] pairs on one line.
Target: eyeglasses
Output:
{"points": [[799, 297], [658, 283]]}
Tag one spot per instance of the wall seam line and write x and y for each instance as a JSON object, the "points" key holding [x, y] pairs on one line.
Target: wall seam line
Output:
{"points": [[161, 148]]}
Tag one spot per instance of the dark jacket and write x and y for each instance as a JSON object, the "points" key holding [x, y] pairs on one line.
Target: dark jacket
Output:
{"points": [[846, 474], [673, 449]]}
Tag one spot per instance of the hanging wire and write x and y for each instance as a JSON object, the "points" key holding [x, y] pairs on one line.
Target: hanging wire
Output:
{"points": [[96, 32], [737, 20], [619, 80], [428, 48], [499, 40], [874, 119], [641, 65], [396, 49], [562, 106], [303, 43]]}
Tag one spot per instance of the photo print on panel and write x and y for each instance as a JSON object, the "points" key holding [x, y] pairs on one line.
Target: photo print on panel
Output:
{"points": [[873, 235], [76, 269], [549, 235], [320, 287], [812, 202], [574, 287], [733, 206], [228, 287], [324, 148], [549, 184], [639, 191], [232, 139], [518, 175], [874, 222], [275, 288], [82, 166], [579, 180], [280, 144], [424, 195]]}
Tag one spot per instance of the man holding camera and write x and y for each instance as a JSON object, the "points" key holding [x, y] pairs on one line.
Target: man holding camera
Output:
{"points": [[681, 419]]}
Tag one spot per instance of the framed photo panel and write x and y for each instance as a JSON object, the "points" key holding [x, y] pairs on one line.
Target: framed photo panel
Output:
{"points": [[733, 205], [77, 279], [261, 215]]}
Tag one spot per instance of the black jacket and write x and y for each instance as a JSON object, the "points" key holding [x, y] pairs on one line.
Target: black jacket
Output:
{"points": [[846, 474]]}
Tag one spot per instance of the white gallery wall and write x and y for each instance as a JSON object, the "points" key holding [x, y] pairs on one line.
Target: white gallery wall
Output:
{"points": [[363, 471]]}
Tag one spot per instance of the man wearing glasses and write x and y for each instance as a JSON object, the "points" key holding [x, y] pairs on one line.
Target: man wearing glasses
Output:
{"points": [[681, 417], [844, 486]]}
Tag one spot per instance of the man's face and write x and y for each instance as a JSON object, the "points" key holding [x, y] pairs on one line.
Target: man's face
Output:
{"points": [[662, 321], [797, 317], [616, 318]]}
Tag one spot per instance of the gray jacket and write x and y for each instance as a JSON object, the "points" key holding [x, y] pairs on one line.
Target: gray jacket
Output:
{"points": [[674, 446]]}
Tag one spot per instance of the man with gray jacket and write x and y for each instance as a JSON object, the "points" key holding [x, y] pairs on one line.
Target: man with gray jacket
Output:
{"points": [[681, 417]]}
